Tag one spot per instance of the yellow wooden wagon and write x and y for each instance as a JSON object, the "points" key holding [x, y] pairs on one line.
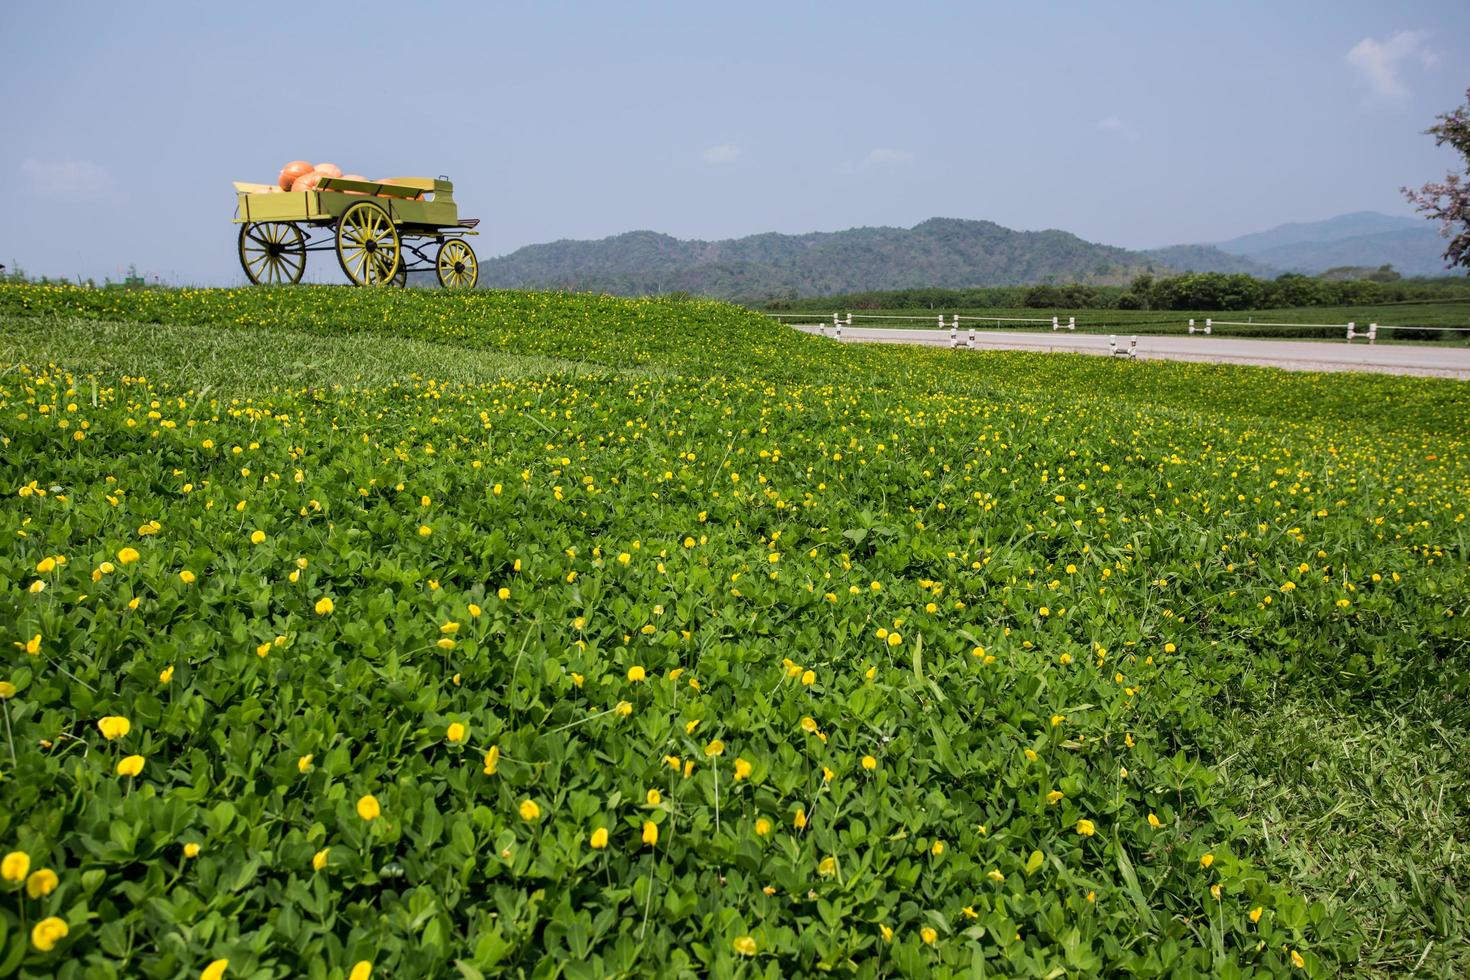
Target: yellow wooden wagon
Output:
{"points": [[380, 230]]}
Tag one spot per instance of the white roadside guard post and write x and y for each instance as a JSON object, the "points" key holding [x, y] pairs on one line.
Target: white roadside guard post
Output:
{"points": [[1206, 329], [1351, 334], [1372, 333], [972, 333], [837, 325], [1072, 323], [1054, 325], [849, 321], [953, 340]]}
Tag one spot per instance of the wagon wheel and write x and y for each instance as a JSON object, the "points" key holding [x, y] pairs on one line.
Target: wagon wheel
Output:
{"points": [[456, 265], [367, 245], [272, 252]]}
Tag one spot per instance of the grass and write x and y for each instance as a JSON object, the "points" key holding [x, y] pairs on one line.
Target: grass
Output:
{"points": [[1116, 540]]}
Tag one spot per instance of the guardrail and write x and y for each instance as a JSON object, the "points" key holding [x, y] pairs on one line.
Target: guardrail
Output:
{"points": [[952, 322]]}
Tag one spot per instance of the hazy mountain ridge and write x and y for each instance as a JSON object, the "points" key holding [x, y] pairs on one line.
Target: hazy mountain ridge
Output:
{"points": [[945, 252], [1412, 246]]}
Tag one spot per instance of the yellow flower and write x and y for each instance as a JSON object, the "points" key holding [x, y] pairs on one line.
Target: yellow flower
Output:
{"points": [[361, 970], [529, 810], [1207, 860], [886, 933], [188, 577], [654, 797], [41, 883], [744, 945], [1054, 797], [127, 556], [325, 605], [456, 732], [937, 849], [1255, 915], [742, 769], [650, 833], [714, 748], [623, 708], [1057, 720], [319, 859], [114, 726], [1086, 828], [762, 827], [257, 536], [599, 839], [37, 587], [1169, 648], [425, 530], [636, 674], [166, 675], [799, 821], [444, 643], [304, 763], [130, 766], [492, 760], [45, 566], [191, 850], [474, 611], [368, 808], [808, 725], [504, 593], [33, 645], [995, 875], [48, 932], [969, 912], [894, 639], [15, 866], [1215, 891], [215, 970], [7, 690], [1297, 961], [928, 935], [808, 678], [870, 763], [1154, 822], [827, 867]]}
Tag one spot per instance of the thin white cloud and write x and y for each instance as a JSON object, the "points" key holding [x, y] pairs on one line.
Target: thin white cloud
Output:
{"points": [[79, 180], [883, 156], [1380, 62], [724, 153], [1113, 124]]}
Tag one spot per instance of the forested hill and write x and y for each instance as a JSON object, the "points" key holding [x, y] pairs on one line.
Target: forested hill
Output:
{"points": [[943, 252]]}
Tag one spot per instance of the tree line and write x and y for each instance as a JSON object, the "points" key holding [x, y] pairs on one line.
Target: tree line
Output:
{"points": [[1189, 291]]}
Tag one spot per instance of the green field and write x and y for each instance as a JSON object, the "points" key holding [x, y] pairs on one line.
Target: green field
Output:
{"points": [[561, 635], [1428, 315]]}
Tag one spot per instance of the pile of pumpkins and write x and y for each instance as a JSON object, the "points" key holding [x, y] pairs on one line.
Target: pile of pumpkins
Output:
{"points": [[301, 175]]}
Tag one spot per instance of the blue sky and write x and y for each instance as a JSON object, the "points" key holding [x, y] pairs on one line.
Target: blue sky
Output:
{"points": [[1136, 124]]}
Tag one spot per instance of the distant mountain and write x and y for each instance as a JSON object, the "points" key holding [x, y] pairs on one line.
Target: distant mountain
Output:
{"points": [[941, 252], [1364, 238], [1209, 258]]}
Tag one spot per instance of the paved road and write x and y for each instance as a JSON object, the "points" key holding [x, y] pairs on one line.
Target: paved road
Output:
{"points": [[1294, 355]]}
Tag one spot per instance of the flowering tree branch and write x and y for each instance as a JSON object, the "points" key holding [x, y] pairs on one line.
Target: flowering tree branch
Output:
{"points": [[1449, 202]]}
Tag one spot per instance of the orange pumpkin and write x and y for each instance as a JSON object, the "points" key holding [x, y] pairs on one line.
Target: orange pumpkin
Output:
{"points": [[291, 171], [307, 182], [328, 170]]}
